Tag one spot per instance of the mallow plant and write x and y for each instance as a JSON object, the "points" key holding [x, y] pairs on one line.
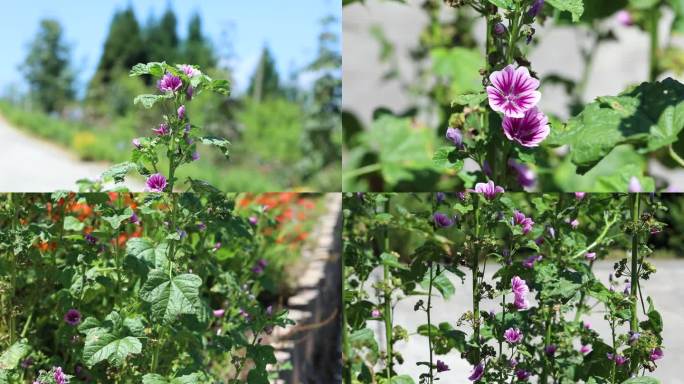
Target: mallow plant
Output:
{"points": [[530, 257], [504, 130], [147, 288], [173, 141]]}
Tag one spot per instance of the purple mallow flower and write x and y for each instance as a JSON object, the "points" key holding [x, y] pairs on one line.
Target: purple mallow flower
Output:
{"points": [[617, 358], [218, 312], [656, 354], [520, 289], [136, 143], [156, 183], [259, 266], [253, 220], [499, 29], [162, 129], [441, 366], [580, 195], [440, 197], [454, 135], [513, 335], [625, 18], [526, 177], [488, 189], [522, 375], [442, 220], [591, 256], [134, 218], [535, 8], [217, 245], [520, 219], [181, 112], [529, 130], [529, 262], [574, 223], [92, 240], [72, 317], [586, 349], [169, 83], [477, 372], [513, 91], [195, 156], [59, 376], [189, 70], [634, 185], [375, 313], [633, 337], [550, 349]]}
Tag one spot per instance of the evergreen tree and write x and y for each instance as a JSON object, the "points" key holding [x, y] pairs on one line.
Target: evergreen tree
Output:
{"points": [[47, 68], [123, 47], [162, 40], [265, 82], [197, 49]]}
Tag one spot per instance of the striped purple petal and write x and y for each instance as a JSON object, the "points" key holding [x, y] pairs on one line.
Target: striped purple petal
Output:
{"points": [[528, 131], [513, 91]]}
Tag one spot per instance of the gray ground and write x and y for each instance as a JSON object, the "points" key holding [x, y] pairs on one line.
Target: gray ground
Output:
{"points": [[662, 287], [28, 164], [616, 64]]}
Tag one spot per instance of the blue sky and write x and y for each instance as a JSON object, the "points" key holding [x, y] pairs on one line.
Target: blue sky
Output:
{"points": [[289, 30]]}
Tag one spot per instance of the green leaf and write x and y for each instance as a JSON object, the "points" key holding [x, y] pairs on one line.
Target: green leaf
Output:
{"points": [[459, 67], [219, 143], [643, 4], [220, 86], [153, 378], [446, 158], [116, 220], [143, 249], [650, 116], [119, 171], [641, 380], [575, 7], [148, 101], [153, 68], [73, 224], [469, 99], [171, 296], [402, 379], [392, 260], [14, 354], [101, 345], [503, 4]]}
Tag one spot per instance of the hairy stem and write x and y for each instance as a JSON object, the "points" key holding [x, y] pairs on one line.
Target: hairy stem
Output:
{"points": [[429, 322], [387, 279], [475, 271], [634, 279]]}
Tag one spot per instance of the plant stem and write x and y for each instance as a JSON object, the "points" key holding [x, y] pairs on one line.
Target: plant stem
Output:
{"points": [[13, 272], [614, 365], [547, 341], [361, 171], [387, 279], [475, 271], [634, 279], [429, 322], [346, 347], [653, 34]]}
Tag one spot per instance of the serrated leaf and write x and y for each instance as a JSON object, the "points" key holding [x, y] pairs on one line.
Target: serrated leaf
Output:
{"points": [[143, 249], [392, 260], [575, 7], [503, 4], [153, 68], [641, 380], [11, 358], [73, 224], [171, 296], [219, 143], [469, 99], [220, 86], [446, 158], [101, 346], [148, 101], [119, 171]]}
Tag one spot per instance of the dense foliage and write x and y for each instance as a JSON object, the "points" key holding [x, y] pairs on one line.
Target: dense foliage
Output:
{"points": [[152, 288], [542, 249], [604, 146]]}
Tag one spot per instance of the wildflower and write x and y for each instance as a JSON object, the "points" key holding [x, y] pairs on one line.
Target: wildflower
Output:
{"points": [[72, 317], [625, 18], [522, 375], [462, 195], [634, 185], [442, 221], [550, 349], [513, 91], [633, 337], [134, 218], [218, 312], [59, 376], [25, 363], [513, 335], [535, 8], [586, 324], [156, 183], [375, 313], [520, 289], [201, 226], [269, 310], [513, 362], [591, 256], [253, 220], [499, 29], [477, 372], [441, 366], [617, 358], [528, 130], [586, 349], [189, 70], [574, 224], [181, 234], [656, 354], [489, 189], [259, 266], [162, 130], [440, 197], [189, 92], [525, 222], [195, 156], [454, 135], [580, 195], [217, 245], [136, 143], [526, 177], [169, 83], [92, 240], [529, 262], [181, 112]]}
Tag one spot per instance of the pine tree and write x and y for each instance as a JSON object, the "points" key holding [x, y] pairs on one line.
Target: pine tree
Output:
{"points": [[162, 40], [198, 50], [123, 47], [265, 82], [47, 68]]}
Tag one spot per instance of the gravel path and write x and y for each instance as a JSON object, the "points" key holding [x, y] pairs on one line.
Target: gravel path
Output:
{"points": [[29, 164], [662, 288]]}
